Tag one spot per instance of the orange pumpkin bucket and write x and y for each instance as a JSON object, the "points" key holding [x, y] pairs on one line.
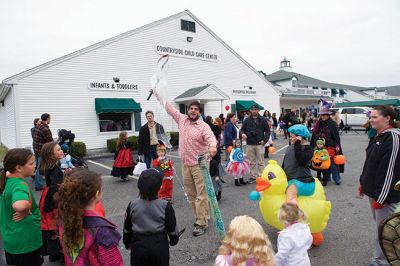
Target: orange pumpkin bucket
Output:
{"points": [[339, 159], [271, 149]]}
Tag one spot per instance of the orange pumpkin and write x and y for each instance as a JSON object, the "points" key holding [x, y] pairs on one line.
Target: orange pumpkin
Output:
{"points": [[229, 149], [271, 149], [339, 159], [317, 162]]}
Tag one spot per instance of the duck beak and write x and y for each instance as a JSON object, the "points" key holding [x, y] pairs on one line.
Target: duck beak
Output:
{"points": [[262, 184]]}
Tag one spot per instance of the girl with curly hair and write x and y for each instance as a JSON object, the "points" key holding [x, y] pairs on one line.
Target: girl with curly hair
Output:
{"points": [[50, 155], [295, 240], [245, 244], [86, 237]]}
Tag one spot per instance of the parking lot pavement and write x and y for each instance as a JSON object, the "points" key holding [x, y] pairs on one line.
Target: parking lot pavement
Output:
{"points": [[349, 235]]}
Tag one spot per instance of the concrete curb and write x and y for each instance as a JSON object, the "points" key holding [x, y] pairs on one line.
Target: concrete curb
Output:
{"points": [[99, 156]]}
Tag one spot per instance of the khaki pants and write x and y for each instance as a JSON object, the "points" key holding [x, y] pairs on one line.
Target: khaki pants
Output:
{"points": [[255, 155], [195, 188]]}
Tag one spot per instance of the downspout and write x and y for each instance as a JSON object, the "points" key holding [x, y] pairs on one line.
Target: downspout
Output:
{"points": [[16, 116]]}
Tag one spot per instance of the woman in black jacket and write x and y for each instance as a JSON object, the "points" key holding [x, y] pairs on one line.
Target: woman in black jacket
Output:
{"points": [[327, 129], [381, 170]]}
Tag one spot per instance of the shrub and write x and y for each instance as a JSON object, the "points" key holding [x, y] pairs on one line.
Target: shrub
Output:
{"points": [[174, 138], [134, 141], [78, 148], [111, 145]]}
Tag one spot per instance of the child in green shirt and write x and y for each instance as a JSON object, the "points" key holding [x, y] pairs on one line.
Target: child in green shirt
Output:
{"points": [[20, 216]]}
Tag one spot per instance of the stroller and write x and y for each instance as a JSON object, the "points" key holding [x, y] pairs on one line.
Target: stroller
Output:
{"points": [[67, 137]]}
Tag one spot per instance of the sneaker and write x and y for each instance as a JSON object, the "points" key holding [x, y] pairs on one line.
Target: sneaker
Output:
{"points": [[324, 183], [338, 183], [199, 230], [251, 180]]}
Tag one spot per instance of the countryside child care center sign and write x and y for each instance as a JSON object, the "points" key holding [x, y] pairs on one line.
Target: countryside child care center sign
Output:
{"points": [[187, 53]]}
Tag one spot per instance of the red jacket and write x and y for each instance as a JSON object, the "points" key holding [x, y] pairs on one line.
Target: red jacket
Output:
{"points": [[165, 164]]}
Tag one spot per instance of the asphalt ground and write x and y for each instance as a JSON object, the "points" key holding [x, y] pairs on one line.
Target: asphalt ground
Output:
{"points": [[349, 236]]}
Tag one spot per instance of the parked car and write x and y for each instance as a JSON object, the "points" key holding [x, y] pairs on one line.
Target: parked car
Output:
{"points": [[352, 116]]}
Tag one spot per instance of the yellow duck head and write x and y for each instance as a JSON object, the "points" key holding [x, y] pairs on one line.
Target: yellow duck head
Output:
{"points": [[272, 188]]}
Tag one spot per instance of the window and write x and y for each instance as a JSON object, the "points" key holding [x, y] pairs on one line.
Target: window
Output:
{"points": [[115, 122], [294, 83], [359, 111], [182, 108], [188, 25], [349, 111]]}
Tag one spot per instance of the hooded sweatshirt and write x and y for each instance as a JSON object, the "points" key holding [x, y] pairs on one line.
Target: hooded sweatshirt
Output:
{"points": [[293, 244]]}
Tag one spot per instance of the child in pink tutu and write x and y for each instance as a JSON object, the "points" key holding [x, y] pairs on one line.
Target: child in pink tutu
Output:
{"points": [[238, 166]]}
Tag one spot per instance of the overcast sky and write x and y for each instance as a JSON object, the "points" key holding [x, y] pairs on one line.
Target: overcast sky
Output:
{"points": [[353, 42]]}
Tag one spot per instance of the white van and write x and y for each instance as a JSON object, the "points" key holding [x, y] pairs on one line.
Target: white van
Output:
{"points": [[352, 116]]}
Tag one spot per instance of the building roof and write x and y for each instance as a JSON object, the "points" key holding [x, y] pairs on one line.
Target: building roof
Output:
{"points": [[390, 90], [313, 82], [208, 92], [192, 92], [5, 85]]}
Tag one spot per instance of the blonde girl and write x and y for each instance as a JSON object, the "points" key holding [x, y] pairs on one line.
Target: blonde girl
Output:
{"points": [[245, 244], [20, 217], [295, 240]]}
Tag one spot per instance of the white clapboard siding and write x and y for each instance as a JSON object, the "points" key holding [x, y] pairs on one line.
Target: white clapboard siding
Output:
{"points": [[7, 121], [62, 89]]}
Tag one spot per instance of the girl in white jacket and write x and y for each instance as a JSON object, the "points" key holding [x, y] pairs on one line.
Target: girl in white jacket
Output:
{"points": [[295, 240]]}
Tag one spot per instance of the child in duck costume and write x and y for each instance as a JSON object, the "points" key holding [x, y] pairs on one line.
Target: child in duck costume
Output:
{"points": [[273, 186], [272, 190], [296, 164]]}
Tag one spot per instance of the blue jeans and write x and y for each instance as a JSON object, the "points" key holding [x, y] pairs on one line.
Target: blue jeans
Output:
{"points": [[273, 133], [150, 156], [39, 182], [335, 172]]}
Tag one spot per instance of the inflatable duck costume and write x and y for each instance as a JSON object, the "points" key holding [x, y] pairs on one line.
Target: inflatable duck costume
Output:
{"points": [[271, 187]]}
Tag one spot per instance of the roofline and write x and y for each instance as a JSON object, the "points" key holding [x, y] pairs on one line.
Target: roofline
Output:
{"points": [[359, 89], [14, 79], [4, 89], [201, 93]]}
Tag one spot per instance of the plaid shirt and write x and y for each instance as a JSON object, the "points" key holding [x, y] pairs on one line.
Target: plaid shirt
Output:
{"points": [[195, 138], [41, 135]]}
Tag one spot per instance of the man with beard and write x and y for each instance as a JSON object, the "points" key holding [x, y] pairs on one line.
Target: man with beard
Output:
{"points": [[195, 138], [257, 131]]}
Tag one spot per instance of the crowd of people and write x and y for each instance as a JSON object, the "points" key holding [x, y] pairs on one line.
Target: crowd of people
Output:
{"points": [[69, 222]]}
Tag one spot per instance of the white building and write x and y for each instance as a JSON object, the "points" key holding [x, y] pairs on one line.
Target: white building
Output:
{"points": [[104, 86], [303, 91]]}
